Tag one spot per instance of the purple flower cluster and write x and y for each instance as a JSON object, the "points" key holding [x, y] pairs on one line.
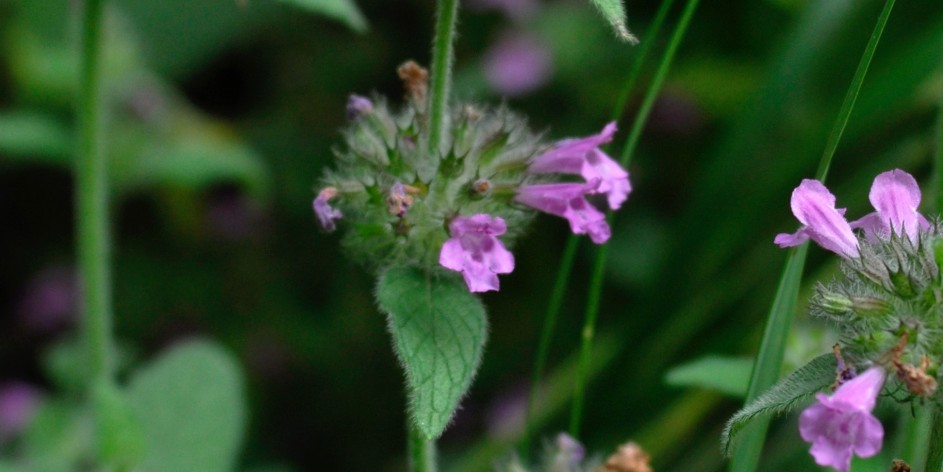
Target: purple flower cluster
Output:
{"points": [[473, 247], [602, 174], [842, 424], [482, 256], [895, 196]]}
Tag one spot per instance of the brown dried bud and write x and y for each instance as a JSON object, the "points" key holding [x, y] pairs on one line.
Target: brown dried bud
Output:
{"points": [[481, 187], [898, 465], [630, 457], [917, 380], [415, 81]]}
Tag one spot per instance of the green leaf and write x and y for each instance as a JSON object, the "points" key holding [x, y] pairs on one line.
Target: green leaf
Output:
{"points": [[343, 10], [784, 396], [191, 405], [57, 439], [119, 435], [729, 375], [439, 331], [28, 134], [614, 12]]}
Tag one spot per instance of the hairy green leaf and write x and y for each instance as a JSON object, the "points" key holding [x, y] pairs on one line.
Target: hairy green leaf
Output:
{"points": [[784, 396], [191, 405], [614, 12], [343, 10], [729, 375], [439, 332]]}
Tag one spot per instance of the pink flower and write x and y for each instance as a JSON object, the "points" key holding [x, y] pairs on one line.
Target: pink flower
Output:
{"points": [[896, 196], [814, 207], [842, 424], [325, 213], [568, 200], [474, 251], [583, 157]]}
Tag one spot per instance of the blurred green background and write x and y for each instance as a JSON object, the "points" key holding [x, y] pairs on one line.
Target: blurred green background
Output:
{"points": [[222, 116]]}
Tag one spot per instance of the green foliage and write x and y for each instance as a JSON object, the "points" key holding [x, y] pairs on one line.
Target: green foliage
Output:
{"points": [[58, 439], [343, 10], [614, 12], [191, 405], [729, 375], [784, 396], [439, 331], [119, 435], [31, 133]]}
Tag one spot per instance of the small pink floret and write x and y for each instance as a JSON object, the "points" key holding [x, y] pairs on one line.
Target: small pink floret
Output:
{"points": [[568, 200], [841, 425], [323, 210], [582, 156], [895, 196], [475, 251], [814, 207]]}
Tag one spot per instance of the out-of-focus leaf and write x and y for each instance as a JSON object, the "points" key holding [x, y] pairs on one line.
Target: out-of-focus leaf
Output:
{"points": [[191, 404], [196, 158], [614, 12], [58, 438], [784, 396], [730, 375], [343, 10], [120, 441], [33, 135], [439, 332]]}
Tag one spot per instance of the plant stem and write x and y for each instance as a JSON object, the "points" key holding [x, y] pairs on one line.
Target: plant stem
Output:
{"points": [[92, 210], [422, 455], [769, 360], [935, 456], [443, 53], [915, 429], [645, 47], [599, 267], [546, 335]]}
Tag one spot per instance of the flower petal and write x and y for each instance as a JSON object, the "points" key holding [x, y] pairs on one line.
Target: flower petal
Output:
{"points": [[895, 195], [862, 391], [829, 453], [814, 206], [870, 437], [790, 240]]}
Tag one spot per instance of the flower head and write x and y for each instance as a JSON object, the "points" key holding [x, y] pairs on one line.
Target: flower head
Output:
{"points": [[568, 200], [474, 251], [895, 196], [814, 207], [582, 156], [842, 424], [325, 213]]}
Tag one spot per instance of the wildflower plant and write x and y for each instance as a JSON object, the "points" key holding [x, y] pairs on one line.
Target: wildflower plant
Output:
{"points": [[887, 307], [432, 196]]}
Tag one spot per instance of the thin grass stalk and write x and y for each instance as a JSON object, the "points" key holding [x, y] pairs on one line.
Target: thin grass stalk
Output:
{"points": [[645, 47], [766, 369], [93, 236], [595, 287]]}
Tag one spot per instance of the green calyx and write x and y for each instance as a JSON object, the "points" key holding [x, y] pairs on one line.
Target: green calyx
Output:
{"points": [[398, 198]]}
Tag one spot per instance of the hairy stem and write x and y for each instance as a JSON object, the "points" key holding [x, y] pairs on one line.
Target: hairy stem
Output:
{"points": [[422, 454], [935, 456], [443, 52], [92, 208]]}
